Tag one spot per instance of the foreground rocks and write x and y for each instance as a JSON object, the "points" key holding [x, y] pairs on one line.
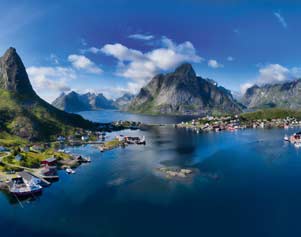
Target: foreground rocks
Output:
{"points": [[175, 172]]}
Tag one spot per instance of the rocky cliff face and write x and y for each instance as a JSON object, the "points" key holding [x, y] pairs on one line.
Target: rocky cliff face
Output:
{"points": [[284, 95], [182, 92], [123, 102], [22, 112], [13, 76], [74, 102]]}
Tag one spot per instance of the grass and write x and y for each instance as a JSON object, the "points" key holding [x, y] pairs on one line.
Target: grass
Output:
{"points": [[112, 144], [34, 119], [269, 114]]}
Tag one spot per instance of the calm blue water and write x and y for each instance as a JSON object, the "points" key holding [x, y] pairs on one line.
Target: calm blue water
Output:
{"points": [[120, 193]]}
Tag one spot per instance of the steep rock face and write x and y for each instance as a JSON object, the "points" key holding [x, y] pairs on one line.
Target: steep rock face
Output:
{"points": [[123, 101], [283, 95], [13, 76], [182, 92], [71, 102], [23, 113], [74, 102]]}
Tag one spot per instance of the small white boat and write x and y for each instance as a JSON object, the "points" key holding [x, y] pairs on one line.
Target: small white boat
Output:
{"points": [[286, 138], [70, 171], [297, 144]]}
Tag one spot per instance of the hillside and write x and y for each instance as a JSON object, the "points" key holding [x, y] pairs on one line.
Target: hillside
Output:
{"points": [[268, 114], [24, 115], [183, 93], [123, 102], [282, 95]]}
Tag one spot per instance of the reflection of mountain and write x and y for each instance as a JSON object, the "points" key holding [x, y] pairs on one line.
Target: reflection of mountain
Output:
{"points": [[178, 142], [23, 113], [182, 92]]}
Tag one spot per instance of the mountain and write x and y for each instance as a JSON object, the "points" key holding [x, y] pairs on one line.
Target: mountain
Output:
{"points": [[123, 101], [74, 102], [281, 95], [183, 93], [23, 113]]}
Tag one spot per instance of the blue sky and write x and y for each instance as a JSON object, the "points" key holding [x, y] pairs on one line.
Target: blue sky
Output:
{"points": [[117, 46]]}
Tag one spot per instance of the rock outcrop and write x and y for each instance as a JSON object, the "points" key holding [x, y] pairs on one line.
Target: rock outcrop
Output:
{"points": [[282, 95], [183, 93]]}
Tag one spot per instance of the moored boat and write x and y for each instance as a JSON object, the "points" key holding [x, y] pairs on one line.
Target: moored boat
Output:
{"points": [[297, 144], [21, 187], [70, 171]]}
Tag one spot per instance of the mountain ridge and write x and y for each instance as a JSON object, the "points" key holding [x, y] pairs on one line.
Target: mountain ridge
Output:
{"points": [[182, 92], [75, 102], [279, 95], [23, 113]]}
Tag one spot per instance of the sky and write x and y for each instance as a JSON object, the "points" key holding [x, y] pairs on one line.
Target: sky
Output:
{"points": [[117, 46]]}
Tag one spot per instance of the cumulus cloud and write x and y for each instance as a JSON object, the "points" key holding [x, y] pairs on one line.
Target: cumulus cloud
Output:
{"points": [[50, 79], [214, 64], [142, 66], [93, 50], [122, 53], [244, 87], [281, 19], [141, 37], [274, 73], [81, 62]]}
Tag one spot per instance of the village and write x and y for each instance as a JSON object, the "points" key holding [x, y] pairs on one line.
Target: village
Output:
{"points": [[233, 123], [25, 169]]}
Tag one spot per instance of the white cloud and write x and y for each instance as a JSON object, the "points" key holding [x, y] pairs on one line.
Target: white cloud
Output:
{"points": [[245, 86], [54, 59], [141, 37], [214, 64], [281, 19], [90, 50], [83, 63], [141, 67], [53, 80], [230, 59], [122, 53], [274, 73]]}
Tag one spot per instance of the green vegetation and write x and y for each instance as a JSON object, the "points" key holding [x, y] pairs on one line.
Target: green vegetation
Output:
{"points": [[112, 144], [23, 118], [269, 114]]}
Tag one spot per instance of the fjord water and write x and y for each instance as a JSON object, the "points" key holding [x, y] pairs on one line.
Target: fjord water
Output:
{"points": [[257, 192]]}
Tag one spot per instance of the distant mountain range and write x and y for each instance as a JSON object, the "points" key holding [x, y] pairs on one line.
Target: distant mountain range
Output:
{"points": [[75, 102], [281, 95], [183, 93], [23, 113], [123, 102]]}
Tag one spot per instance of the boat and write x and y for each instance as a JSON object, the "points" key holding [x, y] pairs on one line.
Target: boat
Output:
{"points": [[70, 171], [297, 144], [286, 138], [21, 187]]}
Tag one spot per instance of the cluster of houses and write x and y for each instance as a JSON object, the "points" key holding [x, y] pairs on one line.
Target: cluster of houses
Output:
{"points": [[232, 123], [211, 123]]}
